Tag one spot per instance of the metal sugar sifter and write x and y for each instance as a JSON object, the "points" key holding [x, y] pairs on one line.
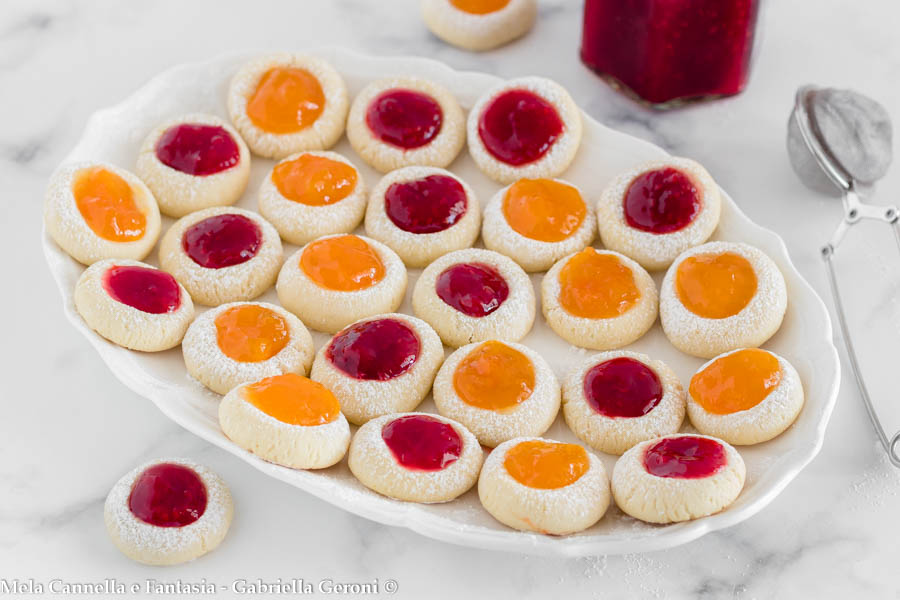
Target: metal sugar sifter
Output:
{"points": [[839, 141]]}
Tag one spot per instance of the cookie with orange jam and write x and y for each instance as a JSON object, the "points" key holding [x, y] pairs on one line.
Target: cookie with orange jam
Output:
{"points": [[338, 279], [721, 296], [311, 194], [599, 299], [538, 221], [745, 397], [243, 342], [96, 211], [479, 24], [535, 484], [499, 390], [288, 420], [287, 103]]}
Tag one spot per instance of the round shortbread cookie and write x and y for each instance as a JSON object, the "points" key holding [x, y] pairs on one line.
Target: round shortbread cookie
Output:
{"points": [[477, 30], [300, 222], [288, 420], [631, 400], [779, 408], [601, 333], [531, 253], [652, 250], [376, 370], [506, 316], [750, 327], [330, 309], [210, 232], [157, 317], [177, 190], [320, 134], [218, 361], [377, 131], [407, 213], [478, 394], [168, 545], [383, 468], [66, 224], [672, 498], [545, 506], [556, 154]]}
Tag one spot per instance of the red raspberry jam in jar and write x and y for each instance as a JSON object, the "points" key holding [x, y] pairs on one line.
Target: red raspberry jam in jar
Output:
{"points": [[685, 457], [426, 205], [374, 350], [422, 443], [168, 495]]}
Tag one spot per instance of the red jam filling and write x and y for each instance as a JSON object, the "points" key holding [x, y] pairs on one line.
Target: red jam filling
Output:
{"points": [[168, 495], [222, 241], [426, 205], [519, 127], [685, 457], [148, 290], [375, 350], [197, 149], [622, 387], [661, 201], [422, 443], [474, 289], [404, 118]]}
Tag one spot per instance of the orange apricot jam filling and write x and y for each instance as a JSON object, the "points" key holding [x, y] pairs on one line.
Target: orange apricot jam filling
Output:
{"points": [[543, 209], [314, 180], [344, 263], [494, 376], [251, 333], [479, 7], [546, 465], [286, 100], [596, 285], [715, 286], [293, 399], [735, 382], [107, 204]]}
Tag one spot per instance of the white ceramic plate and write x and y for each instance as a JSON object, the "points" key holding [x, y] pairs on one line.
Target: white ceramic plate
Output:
{"points": [[114, 135]]}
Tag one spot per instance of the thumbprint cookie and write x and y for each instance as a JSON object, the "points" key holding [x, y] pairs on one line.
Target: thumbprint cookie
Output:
{"points": [[721, 296], [96, 211], [479, 24], [422, 213], [677, 478], [222, 254], [599, 299]]}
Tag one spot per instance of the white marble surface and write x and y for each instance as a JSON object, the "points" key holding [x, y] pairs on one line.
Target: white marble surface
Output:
{"points": [[69, 429]]}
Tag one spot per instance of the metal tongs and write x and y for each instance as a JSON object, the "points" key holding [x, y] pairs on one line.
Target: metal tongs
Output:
{"points": [[848, 138]]}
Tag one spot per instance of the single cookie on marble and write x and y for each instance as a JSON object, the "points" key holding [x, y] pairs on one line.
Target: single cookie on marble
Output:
{"points": [[614, 400], [498, 390], [745, 397], [311, 194], [194, 162], [380, 365], [479, 24], [536, 222], [599, 299], [416, 457], [133, 304], [168, 511], [243, 342], [288, 420], [534, 484], [677, 478], [96, 211], [422, 213], [475, 295], [524, 128], [287, 103], [654, 212], [222, 254], [403, 121], [721, 296], [338, 279]]}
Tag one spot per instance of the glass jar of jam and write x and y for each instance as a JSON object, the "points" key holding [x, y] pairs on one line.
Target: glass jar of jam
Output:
{"points": [[666, 52]]}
